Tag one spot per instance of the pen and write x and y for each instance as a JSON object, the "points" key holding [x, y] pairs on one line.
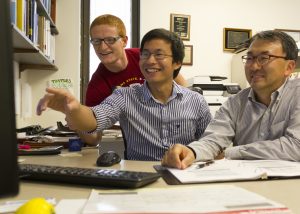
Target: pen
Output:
{"points": [[207, 163]]}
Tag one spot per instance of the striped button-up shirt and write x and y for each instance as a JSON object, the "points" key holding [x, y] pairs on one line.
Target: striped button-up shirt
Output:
{"points": [[151, 127], [255, 130]]}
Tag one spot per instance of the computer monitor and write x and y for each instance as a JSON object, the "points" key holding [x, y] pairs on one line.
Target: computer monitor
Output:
{"points": [[8, 142]]}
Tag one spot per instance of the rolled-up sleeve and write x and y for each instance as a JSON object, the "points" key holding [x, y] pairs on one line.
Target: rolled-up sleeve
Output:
{"points": [[108, 112], [217, 136]]}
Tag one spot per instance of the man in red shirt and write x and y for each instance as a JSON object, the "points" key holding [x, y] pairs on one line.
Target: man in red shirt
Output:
{"points": [[104, 81], [119, 67]]}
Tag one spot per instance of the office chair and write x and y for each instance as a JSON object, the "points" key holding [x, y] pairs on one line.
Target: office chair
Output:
{"points": [[125, 145], [197, 89]]}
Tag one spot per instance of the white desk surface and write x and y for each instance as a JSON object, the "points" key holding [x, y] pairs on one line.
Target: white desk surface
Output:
{"points": [[285, 192]]}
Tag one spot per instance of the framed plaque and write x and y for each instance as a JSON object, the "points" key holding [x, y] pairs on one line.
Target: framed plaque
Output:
{"points": [[180, 24], [188, 55], [233, 38], [295, 34]]}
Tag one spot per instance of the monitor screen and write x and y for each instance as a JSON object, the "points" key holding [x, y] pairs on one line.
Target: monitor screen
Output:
{"points": [[8, 142]]}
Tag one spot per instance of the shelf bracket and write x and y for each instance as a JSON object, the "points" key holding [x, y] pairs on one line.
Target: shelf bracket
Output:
{"points": [[25, 50], [24, 67]]}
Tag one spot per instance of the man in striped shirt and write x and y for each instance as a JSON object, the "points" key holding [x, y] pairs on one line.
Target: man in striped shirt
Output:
{"points": [[154, 115], [262, 121]]}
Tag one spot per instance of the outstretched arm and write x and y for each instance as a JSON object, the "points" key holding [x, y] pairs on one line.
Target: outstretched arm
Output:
{"points": [[178, 156], [91, 139], [81, 117]]}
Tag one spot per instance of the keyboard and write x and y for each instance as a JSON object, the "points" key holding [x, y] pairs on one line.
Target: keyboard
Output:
{"points": [[87, 176]]}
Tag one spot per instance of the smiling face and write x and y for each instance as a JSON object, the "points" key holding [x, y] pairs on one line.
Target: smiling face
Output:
{"points": [[269, 77], [158, 69], [108, 54]]}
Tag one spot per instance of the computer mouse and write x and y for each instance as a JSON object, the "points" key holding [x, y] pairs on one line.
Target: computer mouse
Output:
{"points": [[108, 159]]}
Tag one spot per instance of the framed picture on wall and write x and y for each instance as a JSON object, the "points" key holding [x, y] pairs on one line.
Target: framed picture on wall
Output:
{"points": [[180, 24], [234, 37], [188, 56], [295, 34]]}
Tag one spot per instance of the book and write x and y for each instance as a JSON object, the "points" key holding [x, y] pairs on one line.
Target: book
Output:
{"points": [[225, 199], [41, 33], [21, 14], [236, 170], [53, 11], [35, 24], [13, 11]]}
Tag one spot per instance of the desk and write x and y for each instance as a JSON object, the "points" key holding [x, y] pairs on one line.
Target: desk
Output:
{"points": [[282, 191]]}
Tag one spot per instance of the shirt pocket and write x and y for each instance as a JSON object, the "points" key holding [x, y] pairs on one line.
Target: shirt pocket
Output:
{"points": [[179, 130]]}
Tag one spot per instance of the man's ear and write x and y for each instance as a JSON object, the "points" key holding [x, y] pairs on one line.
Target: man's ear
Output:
{"points": [[177, 65], [290, 68], [125, 40]]}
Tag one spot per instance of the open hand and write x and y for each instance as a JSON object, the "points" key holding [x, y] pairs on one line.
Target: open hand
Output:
{"points": [[59, 100]]}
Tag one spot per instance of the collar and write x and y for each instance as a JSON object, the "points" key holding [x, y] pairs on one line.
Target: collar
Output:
{"points": [[177, 92], [276, 95]]}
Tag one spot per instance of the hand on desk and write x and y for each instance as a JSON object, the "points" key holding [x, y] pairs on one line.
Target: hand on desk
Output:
{"points": [[178, 156], [220, 156]]}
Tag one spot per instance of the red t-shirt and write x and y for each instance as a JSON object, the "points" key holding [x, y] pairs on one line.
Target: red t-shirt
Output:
{"points": [[103, 81]]}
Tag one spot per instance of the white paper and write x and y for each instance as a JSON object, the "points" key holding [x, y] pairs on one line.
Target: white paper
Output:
{"points": [[26, 100], [70, 206], [112, 133], [221, 170], [191, 199], [65, 83], [234, 170], [17, 88], [274, 168]]}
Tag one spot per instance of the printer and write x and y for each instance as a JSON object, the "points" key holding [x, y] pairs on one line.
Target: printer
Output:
{"points": [[215, 89]]}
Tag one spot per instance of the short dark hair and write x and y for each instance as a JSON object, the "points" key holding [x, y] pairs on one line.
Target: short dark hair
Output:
{"points": [[177, 45], [288, 44]]}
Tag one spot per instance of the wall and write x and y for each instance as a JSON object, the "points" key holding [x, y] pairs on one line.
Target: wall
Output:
{"points": [[67, 60], [120, 8], [209, 17]]}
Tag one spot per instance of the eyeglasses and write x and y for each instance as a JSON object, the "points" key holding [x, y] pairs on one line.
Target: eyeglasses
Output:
{"points": [[261, 59], [106, 40], [158, 56]]}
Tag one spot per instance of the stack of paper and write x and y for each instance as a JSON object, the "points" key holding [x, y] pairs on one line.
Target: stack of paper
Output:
{"points": [[193, 199], [237, 170]]}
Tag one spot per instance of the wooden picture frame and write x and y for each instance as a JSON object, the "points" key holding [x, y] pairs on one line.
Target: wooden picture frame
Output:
{"points": [[188, 58], [233, 37], [180, 24], [295, 34]]}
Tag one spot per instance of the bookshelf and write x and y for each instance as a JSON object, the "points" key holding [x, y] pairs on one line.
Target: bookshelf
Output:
{"points": [[28, 52], [43, 11]]}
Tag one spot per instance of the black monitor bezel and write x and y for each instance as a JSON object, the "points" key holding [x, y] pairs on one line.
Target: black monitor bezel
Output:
{"points": [[9, 181]]}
